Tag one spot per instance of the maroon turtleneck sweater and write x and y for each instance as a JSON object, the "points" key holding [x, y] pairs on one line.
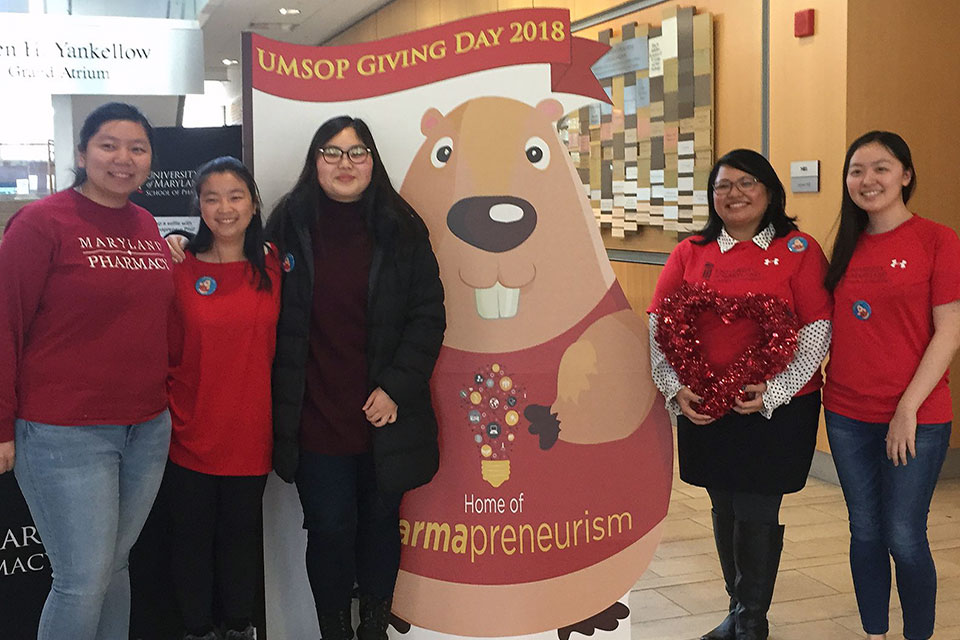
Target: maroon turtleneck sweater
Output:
{"points": [[332, 421]]}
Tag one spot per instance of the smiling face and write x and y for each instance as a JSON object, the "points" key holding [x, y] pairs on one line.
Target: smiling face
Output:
{"points": [[344, 180], [226, 206], [875, 179], [742, 208], [117, 161]]}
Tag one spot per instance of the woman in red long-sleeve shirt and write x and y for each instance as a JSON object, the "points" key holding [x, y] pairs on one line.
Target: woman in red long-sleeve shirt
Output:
{"points": [[222, 338], [84, 294]]}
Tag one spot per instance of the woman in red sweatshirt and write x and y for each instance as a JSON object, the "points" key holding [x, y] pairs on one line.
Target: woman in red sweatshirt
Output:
{"points": [[84, 298], [222, 337]]}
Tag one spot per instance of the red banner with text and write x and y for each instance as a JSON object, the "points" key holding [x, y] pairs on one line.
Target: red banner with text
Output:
{"points": [[523, 36]]}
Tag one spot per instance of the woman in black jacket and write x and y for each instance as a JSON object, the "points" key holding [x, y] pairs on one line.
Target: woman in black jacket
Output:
{"points": [[360, 328]]}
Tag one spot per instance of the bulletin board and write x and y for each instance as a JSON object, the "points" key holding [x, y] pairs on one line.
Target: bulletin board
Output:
{"points": [[644, 159]]}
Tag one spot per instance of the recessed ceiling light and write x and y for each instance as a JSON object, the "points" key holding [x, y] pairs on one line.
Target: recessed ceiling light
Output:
{"points": [[289, 12], [228, 62]]}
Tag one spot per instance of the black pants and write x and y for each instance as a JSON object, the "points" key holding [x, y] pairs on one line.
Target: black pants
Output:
{"points": [[216, 531], [353, 529], [746, 507]]}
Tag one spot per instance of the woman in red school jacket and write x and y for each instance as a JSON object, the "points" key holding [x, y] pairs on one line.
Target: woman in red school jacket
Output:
{"points": [[762, 449], [896, 280], [85, 289], [222, 339]]}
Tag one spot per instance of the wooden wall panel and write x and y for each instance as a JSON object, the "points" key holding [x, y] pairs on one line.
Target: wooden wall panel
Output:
{"points": [[456, 9], [363, 31], [638, 282], [506, 5], [428, 13], [561, 4], [397, 17]]}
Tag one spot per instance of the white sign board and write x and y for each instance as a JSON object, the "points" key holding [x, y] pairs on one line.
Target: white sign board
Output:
{"points": [[61, 54]]}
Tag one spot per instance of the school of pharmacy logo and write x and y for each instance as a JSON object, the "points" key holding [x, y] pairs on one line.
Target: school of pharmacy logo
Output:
{"points": [[288, 263], [205, 285], [797, 244], [862, 310]]}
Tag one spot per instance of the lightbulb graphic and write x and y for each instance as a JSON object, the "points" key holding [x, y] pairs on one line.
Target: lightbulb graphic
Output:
{"points": [[493, 403]]}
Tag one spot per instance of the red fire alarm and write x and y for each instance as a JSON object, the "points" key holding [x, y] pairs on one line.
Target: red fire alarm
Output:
{"points": [[803, 23]]}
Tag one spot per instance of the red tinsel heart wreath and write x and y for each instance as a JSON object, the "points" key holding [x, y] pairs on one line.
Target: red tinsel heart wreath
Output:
{"points": [[679, 339]]}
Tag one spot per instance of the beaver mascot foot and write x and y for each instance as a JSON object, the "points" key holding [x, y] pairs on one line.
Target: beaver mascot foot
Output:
{"points": [[607, 620], [401, 625], [543, 424]]}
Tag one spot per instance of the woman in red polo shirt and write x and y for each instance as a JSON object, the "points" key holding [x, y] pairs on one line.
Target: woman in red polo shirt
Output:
{"points": [[749, 457], [896, 280], [222, 338]]}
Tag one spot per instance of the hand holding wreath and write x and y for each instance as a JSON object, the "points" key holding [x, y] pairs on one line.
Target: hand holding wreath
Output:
{"points": [[741, 384]]}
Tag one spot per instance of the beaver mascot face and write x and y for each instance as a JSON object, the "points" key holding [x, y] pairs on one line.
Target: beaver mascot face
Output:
{"points": [[514, 235]]}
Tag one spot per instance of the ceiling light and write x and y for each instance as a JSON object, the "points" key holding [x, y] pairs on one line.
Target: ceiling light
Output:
{"points": [[289, 12], [229, 62], [271, 26]]}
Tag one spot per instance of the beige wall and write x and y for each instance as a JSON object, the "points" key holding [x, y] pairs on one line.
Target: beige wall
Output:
{"points": [[808, 97]]}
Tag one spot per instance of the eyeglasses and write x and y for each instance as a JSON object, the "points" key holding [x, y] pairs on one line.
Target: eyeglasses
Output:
{"points": [[744, 184], [357, 154]]}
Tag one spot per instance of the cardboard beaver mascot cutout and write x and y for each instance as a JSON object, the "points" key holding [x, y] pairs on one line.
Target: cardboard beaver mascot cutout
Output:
{"points": [[556, 452]]}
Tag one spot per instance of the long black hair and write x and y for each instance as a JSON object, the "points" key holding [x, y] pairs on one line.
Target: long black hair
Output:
{"points": [[387, 213], [756, 165], [253, 237], [853, 219], [100, 116]]}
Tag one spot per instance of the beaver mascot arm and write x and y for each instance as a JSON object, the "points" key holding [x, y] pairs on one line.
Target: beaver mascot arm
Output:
{"points": [[598, 385]]}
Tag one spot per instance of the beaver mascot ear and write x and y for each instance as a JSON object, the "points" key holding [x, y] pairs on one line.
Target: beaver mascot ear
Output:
{"points": [[550, 108], [431, 118]]}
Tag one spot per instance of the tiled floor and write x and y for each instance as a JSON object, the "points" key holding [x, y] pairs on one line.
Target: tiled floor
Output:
{"points": [[681, 595]]}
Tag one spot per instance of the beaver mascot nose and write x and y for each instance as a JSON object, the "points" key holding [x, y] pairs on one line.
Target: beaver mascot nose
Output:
{"points": [[492, 223]]}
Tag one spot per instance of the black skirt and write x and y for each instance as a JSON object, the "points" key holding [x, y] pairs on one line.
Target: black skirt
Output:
{"points": [[750, 453]]}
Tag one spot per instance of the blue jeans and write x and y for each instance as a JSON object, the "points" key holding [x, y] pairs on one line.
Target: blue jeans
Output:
{"points": [[89, 490], [888, 509]]}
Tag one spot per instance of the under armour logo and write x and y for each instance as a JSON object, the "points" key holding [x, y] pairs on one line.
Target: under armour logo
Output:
{"points": [[898, 263], [770, 261]]}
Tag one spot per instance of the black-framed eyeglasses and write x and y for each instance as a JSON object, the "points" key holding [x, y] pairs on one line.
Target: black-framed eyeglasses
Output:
{"points": [[357, 154], [744, 184]]}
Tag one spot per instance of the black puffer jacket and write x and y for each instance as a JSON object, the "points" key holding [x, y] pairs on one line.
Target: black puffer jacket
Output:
{"points": [[405, 325]]}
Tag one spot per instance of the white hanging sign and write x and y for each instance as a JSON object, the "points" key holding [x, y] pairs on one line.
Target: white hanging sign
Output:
{"points": [[62, 54]]}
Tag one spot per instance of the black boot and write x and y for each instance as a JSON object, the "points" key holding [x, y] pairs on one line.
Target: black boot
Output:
{"points": [[336, 625], [249, 633], [374, 618], [723, 536], [757, 550]]}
